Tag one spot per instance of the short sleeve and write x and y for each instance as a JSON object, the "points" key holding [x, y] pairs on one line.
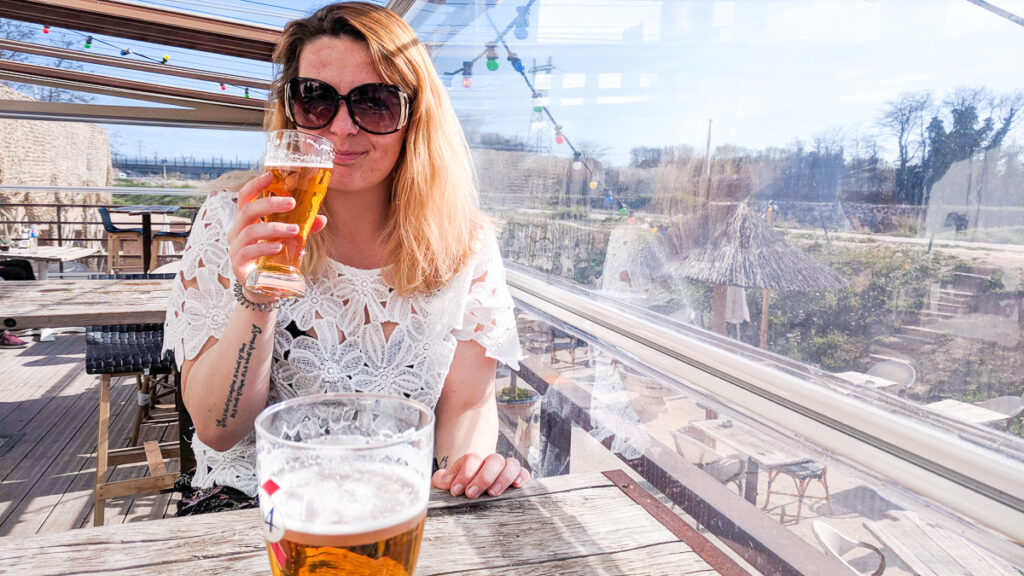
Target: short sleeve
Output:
{"points": [[201, 298], [489, 314]]}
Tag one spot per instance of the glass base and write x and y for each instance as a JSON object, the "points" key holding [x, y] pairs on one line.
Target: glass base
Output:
{"points": [[276, 283]]}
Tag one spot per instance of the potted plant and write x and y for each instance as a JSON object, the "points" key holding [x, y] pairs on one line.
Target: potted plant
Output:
{"points": [[519, 416], [5, 242]]}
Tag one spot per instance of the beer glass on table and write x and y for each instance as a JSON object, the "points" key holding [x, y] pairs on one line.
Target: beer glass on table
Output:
{"points": [[301, 165], [343, 483]]}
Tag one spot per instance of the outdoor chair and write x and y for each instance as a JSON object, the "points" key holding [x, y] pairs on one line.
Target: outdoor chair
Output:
{"points": [[115, 236], [802, 474], [836, 545], [123, 351], [165, 236], [725, 469]]}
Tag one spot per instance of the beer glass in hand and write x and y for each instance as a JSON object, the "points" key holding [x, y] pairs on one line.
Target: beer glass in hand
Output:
{"points": [[344, 482], [300, 164]]}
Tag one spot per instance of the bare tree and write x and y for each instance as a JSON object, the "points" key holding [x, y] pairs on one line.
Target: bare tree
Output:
{"points": [[21, 32], [903, 118]]}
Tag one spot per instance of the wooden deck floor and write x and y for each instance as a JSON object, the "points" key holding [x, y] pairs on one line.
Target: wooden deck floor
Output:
{"points": [[48, 407]]}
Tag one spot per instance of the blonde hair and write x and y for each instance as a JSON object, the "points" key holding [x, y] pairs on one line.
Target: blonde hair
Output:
{"points": [[434, 214]]}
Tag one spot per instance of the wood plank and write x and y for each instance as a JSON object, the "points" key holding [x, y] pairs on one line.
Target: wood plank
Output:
{"points": [[59, 303], [671, 558], [564, 520], [61, 467]]}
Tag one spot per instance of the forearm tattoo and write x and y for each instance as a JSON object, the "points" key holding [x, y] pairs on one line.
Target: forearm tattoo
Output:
{"points": [[440, 465], [238, 378]]}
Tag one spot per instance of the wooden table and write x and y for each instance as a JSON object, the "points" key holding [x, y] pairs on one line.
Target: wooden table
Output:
{"points": [[46, 254], [64, 303], [866, 380], [931, 550], [966, 412], [760, 450], [147, 226], [577, 524]]}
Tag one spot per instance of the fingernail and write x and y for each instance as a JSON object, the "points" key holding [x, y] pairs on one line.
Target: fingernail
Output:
{"points": [[275, 246], [493, 491], [293, 227], [447, 477], [456, 489], [472, 491]]}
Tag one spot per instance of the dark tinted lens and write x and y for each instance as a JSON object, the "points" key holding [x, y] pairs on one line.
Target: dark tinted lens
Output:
{"points": [[376, 107], [314, 103]]}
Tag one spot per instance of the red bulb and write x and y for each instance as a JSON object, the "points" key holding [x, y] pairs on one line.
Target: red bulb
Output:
{"points": [[223, 87], [46, 29], [559, 139], [467, 82]]}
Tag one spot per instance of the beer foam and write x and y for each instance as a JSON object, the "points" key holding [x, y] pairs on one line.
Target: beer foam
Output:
{"points": [[292, 162], [362, 498]]}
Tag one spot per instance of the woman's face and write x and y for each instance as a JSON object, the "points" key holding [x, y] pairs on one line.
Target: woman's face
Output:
{"points": [[362, 161]]}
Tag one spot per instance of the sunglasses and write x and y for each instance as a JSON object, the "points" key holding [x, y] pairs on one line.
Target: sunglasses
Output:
{"points": [[374, 108]]}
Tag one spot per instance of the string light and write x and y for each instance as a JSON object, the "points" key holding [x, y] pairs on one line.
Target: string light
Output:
{"points": [[223, 86], [46, 29], [126, 51], [576, 164], [521, 23], [165, 59], [246, 92], [88, 42], [492, 56], [559, 139], [467, 73]]}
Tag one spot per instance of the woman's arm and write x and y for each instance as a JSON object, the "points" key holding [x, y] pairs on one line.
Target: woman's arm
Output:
{"points": [[226, 385], [467, 429]]}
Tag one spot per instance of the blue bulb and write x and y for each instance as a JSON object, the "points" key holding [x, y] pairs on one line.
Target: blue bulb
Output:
{"points": [[521, 32]]}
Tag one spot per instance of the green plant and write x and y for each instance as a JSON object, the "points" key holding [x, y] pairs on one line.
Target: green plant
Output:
{"points": [[517, 393]]}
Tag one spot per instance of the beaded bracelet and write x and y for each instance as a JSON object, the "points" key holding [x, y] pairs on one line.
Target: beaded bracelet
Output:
{"points": [[258, 306]]}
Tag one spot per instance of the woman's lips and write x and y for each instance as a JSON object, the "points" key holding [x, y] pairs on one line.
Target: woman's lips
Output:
{"points": [[347, 157]]}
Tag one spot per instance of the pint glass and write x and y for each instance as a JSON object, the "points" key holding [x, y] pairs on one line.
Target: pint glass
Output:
{"points": [[343, 483], [301, 167]]}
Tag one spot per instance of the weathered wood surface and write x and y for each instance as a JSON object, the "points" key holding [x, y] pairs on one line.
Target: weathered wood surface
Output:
{"points": [[50, 253], [47, 467], [765, 451], [931, 550], [63, 303], [579, 524], [966, 412]]}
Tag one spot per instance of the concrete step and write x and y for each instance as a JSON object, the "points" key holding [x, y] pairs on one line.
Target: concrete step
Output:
{"points": [[924, 334], [956, 298], [936, 315], [957, 309], [966, 282], [982, 270]]}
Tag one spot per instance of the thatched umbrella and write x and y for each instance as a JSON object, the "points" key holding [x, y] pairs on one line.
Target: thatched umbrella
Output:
{"points": [[744, 251]]}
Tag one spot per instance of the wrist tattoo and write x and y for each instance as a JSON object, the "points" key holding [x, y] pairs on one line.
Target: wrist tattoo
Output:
{"points": [[238, 378], [443, 464]]}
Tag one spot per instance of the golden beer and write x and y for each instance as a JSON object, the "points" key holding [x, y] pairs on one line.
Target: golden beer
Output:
{"points": [[366, 520], [308, 185], [300, 164]]}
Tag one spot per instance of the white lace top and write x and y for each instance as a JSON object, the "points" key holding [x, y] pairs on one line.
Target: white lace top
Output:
{"points": [[335, 338]]}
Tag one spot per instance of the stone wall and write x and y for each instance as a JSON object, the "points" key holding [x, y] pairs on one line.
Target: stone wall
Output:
{"points": [[43, 153]]}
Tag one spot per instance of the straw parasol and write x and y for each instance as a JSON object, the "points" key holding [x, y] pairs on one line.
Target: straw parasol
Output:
{"points": [[744, 251]]}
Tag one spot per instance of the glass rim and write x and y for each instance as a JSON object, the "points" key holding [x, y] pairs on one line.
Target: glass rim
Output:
{"points": [[422, 429], [318, 140]]}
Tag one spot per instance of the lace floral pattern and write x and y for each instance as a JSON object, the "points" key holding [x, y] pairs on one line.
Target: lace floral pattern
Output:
{"points": [[350, 333]]}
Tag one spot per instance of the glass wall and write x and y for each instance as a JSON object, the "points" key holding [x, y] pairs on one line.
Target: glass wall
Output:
{"points": [[835, 188]]}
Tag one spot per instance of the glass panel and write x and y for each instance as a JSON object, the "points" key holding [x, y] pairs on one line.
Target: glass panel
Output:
{"points": [[835, 182]]}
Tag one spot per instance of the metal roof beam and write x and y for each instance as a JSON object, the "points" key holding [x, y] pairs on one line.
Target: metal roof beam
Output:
{"points": [[202, 116], [149, 24], [86, 82], [104, 60]]}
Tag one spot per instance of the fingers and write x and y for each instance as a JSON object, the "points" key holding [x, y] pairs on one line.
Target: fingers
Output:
{"points": [[489, 471], [253, 188], [465, 469], [318, 223], [509, 474]]}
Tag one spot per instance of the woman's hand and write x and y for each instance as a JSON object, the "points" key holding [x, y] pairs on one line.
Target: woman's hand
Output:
{"points": [[473, 475], [250, 237]]}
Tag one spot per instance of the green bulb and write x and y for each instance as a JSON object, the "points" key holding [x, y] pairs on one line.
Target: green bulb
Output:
{"points": [[492, 65], [538, 108], [623, 211]]}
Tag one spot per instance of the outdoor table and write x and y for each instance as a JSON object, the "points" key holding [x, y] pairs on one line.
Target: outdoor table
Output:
{"points": [[46, 254], [67, 303], [931, 550], [866, 380], [576, 524], [147, 226], [760, 450], [966, 412]]}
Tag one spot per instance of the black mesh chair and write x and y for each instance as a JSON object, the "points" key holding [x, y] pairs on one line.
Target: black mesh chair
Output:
{"points": [[132, 350], [115, 236]]}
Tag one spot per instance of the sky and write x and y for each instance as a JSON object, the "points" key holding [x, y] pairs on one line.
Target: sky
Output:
{"points": [[629, 73]]}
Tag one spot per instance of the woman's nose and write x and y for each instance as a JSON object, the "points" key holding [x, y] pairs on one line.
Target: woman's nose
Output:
{"points": [[342, 123]]}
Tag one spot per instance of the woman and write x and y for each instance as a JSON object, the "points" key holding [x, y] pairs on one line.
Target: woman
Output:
{"points": [[405, 294]]}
